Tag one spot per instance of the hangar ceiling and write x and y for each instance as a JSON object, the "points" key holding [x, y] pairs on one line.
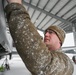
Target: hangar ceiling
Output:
{"points": [[44, 13]]}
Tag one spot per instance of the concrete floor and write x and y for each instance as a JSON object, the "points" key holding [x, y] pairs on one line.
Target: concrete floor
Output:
{"points": [[17, 67]]}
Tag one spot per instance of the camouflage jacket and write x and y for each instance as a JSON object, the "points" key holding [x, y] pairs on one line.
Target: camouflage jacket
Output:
{"points": [[37, 58]]}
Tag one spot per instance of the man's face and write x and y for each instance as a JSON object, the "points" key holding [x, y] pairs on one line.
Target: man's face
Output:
{"points": [[51, 38]]}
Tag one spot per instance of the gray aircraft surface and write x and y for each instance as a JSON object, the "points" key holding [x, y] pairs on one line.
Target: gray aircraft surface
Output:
{"points": [[5, 37]]}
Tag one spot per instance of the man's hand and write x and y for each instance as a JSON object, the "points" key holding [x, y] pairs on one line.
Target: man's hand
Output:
{"points": [[15, 1]]}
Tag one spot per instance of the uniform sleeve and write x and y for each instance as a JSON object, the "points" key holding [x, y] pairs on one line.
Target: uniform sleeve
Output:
{"points": [[29, 44]]}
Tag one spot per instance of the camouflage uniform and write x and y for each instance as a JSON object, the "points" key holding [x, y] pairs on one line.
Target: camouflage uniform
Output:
{"points": [[38, 59]]}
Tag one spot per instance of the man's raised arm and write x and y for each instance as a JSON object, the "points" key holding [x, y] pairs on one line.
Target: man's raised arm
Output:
{"points": [[27, 40]]}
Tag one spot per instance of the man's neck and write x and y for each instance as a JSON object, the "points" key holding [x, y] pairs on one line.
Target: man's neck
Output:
{"points": [[54, 48]]}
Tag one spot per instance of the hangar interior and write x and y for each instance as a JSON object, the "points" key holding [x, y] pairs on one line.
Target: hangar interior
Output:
{"points": [[53, 12], [43, 13]]}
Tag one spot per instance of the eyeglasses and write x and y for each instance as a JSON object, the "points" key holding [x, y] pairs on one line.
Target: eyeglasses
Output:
{"points": [[49, 31]]}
